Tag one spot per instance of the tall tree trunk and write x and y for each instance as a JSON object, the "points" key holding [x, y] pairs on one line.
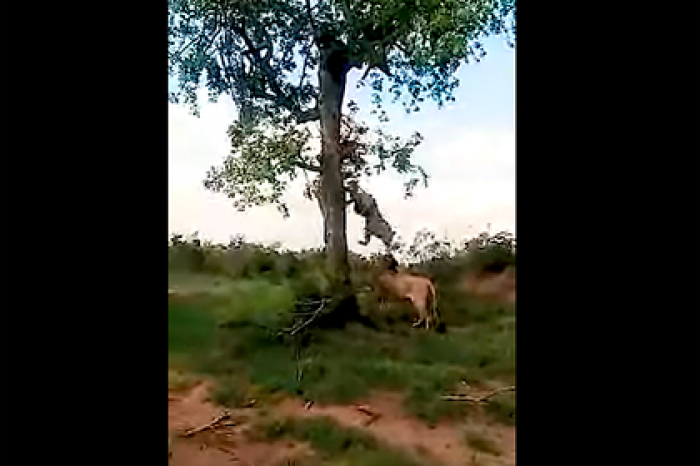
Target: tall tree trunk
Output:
{"points": [[332, 79]]}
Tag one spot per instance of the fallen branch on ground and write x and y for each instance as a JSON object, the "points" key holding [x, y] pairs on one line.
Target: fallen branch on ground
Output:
{"points": [[224, 415], [373, 416], [227, 450], [478, 399]]}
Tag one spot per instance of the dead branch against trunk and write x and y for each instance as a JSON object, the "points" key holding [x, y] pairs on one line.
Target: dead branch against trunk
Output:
{"points": [[293, 330], [478, 399], [224, 415]]}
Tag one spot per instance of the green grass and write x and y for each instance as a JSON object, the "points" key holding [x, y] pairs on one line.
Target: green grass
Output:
{"points": [[179, 380], [336, 445], [340, 366], [502, 408], [479, 440], [190, 333], [256, 301], [198, 282]]}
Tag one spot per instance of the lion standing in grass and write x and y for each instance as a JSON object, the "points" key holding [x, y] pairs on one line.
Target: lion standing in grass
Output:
{"points": [[405, 286]]}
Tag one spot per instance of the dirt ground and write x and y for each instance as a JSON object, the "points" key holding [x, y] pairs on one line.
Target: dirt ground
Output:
{"points": [[224, 445], [380, 415]]}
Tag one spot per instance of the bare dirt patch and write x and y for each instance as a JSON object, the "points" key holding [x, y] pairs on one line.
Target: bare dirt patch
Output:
{"points": [[226, 443], [383, 416]]}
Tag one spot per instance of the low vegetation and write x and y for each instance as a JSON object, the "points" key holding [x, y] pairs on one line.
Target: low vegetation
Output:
{"points": [[332, 442], [478, 439], [232, 303]]}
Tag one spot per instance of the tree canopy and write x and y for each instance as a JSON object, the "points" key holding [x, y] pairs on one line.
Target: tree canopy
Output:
{"points": [[266, 55], [252, 50]]}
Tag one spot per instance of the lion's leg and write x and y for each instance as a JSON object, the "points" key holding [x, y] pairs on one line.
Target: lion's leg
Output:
{"points": [[411, 301], [368, 236], [419, 319], [422, 312]]}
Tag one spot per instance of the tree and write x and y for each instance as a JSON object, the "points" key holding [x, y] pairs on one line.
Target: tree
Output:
{"points": [[264, 54]]}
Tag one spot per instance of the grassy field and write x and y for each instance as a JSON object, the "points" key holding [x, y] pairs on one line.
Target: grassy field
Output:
{"points": [[225, 328], [338, 366]]}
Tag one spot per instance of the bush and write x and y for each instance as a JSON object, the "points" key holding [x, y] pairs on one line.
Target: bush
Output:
{"points": [[302, 274], [259, 303]]}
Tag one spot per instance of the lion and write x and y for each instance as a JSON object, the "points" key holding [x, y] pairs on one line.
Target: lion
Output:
{"points": [[402, 286]]}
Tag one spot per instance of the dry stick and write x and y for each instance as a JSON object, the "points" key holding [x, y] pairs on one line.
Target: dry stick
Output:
{"points": [[372, 415], [295, 328], [365, 409], [221, 417], [479, 399], [227, 450], [311, 319]]}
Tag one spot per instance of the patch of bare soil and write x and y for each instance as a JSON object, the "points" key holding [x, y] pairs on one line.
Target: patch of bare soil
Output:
{"points": [[383, 416], [226, 443]]}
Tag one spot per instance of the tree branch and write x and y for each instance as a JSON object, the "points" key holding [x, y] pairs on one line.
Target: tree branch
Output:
{"points": [[278, 97], [305, 166], [307, 116], [478, 399], [256, 50], [224, 415], [261, 94], [199, 38], [217, 31], [258, 59], [313, 315], [176, 55], [314, 31], [303, 69]]}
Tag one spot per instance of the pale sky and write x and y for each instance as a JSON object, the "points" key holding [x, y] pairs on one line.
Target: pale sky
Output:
{"points": [[468, 151]]}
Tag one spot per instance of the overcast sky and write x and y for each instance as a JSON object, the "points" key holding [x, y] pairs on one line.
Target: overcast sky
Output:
{"points": [[468, 151]]}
